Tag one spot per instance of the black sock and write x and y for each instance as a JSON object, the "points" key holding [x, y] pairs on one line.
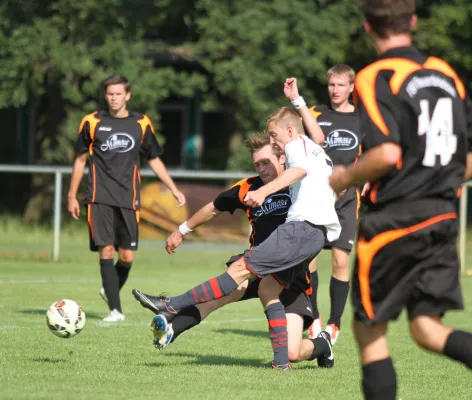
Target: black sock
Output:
{"points": [[314, 293], [213, 289], [459, 347], [338, 292], [278, 334], [185, 320], [122, 272], [321, 347], [379, 380], [111, 284]]}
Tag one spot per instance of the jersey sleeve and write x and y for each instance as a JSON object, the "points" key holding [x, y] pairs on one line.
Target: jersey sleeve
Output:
{"points": [[150, 147], [376, 105], [229, 200], [84, 140], [296, 155]]}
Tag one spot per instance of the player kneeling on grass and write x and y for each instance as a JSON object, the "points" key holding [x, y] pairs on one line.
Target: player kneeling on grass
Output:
{"points": [[269, 164], [279, 259]]}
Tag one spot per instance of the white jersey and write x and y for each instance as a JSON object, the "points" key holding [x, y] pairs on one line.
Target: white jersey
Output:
{"points": [[312, 197]]}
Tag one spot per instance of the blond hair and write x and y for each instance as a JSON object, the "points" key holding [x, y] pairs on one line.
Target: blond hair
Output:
{"points": [[284, 117], [342, 69]]}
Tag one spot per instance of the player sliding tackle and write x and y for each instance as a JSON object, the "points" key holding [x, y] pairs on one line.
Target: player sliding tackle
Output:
{"points": [[269, 164], [283, 255]]}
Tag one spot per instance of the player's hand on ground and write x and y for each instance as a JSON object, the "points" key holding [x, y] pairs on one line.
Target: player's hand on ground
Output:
{"points": [[180, 197], [173, 241], [339, 179], [365, 189], [255, 198], [73, 207], [291, 89]]}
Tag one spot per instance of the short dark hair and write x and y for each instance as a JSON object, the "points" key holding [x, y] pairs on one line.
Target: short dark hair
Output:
{"points": [[258, 141], [388, 17], [117, 80]]}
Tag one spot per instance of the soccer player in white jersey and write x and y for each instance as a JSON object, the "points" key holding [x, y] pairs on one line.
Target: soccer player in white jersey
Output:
{"points": [[288, 250]]}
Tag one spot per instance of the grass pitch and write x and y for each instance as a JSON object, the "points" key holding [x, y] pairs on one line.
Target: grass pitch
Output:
{"points": [[218, 359]]}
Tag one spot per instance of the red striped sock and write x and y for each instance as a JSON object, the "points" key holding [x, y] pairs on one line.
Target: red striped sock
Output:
{"points": [[278, 332]]}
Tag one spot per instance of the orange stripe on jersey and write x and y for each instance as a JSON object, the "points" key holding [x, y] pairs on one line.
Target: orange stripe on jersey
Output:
{"points": [[243, 188], [89, 220], [366, 251], [365, 85], [459, 192], [315, 113], [358, 199], [93, 120], [443, 67], [373, 193], [134, 186], [145, 122], [94, 177]]}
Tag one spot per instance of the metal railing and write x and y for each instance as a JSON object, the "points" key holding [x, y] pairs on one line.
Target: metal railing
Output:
{"points": [[59, 171]]}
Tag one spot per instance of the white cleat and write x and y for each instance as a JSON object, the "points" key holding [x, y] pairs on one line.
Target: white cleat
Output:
{"points": [[315, 328], [114, 316], [334, 332]]}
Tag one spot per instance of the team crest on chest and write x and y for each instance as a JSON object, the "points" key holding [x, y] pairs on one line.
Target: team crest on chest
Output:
{"points": [[341, 139], [118, 142], [277, 204]]}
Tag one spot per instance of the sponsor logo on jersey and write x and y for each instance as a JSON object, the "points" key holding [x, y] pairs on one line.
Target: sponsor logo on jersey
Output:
{"points": [[341, 139], [276, 204], [325, 123], [118, 142], [105, 128]]}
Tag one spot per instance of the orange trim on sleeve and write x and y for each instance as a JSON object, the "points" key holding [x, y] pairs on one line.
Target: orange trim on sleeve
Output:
{"points": [[315, 113], [358, 197], [144, 122], [366, 251], [443, 67], [93, 121], [134, 186], [459, 192]]}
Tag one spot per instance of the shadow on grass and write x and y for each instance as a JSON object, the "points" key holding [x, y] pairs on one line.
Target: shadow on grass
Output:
{"points": [[37, 311], [243, 332], [49, 360], [205, 359]]}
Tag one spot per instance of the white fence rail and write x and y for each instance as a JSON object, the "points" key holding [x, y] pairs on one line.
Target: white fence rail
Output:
{"points": [[197, 174]]}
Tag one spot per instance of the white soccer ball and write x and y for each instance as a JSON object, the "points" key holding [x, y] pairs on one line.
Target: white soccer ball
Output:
{"points": [[65, 318]]}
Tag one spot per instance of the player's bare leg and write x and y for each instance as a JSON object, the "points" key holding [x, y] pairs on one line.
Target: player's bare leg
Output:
{"points": [[431, 334], [379, 380]]}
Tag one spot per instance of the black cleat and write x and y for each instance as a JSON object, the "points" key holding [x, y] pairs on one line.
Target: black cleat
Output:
{"points": [[157, 304], [327, 359]]}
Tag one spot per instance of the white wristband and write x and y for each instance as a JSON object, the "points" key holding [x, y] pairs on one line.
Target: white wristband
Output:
{"points": [[184, 229], [298, 103]]}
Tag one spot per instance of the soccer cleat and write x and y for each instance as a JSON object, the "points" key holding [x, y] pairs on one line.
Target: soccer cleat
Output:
{"points": [[283, 367], [114, 316], [103, 295], [315, 328], [157, 304], [326, 360], [162, 331], [333, 331]]}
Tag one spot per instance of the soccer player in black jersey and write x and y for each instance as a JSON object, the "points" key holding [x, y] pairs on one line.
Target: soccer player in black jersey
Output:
{"points": [[337, 130], [417, 120], [269, 164], [112, 142]]}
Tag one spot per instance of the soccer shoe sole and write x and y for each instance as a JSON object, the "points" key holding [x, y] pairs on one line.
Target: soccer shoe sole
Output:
{"points": [[160, 329]]}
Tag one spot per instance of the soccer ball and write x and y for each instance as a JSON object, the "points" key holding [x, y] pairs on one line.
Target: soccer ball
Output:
{"points": [[65, 318]]}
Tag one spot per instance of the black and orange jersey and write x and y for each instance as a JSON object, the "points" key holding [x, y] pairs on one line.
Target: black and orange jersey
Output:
{"points": [[419, 103], [342, 133], [264, 219], [114, 146]]}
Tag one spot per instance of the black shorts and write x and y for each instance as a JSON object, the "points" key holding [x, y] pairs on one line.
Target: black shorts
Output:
{"points": [[286, 252], [347, 208], [294, 299], [406, 257], [110, 225]]}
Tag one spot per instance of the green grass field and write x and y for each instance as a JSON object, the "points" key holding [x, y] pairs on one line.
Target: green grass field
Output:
{"points": [[218, 359]]}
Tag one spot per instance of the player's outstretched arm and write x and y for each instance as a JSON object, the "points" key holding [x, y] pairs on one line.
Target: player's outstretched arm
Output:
{"points": [[289, 176], [374, 164], [202, 216], [77, 174], [160, 170], [311, 125]]}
